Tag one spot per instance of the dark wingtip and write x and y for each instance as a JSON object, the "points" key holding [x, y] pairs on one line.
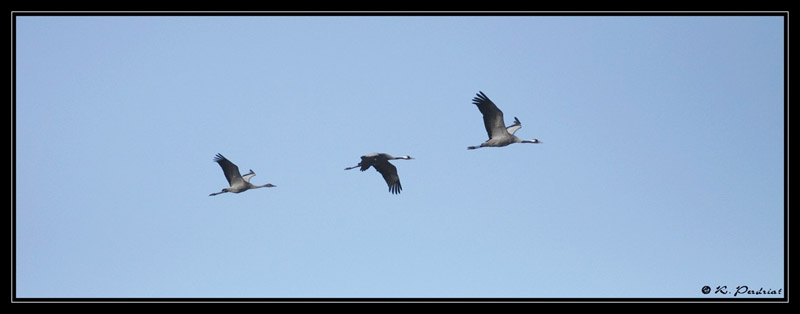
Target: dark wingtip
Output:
{"points": [[479, 98], [396, 188]]}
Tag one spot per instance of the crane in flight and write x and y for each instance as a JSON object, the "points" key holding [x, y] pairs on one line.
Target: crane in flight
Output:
{"points": [[238, 183], [380, 162], [499, 134]]}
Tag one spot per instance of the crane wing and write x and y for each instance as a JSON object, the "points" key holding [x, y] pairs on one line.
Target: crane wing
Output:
{"points": [[231, 171], [249, 175], [492, 116], [367, 161], [389, 173], [511, 129]]}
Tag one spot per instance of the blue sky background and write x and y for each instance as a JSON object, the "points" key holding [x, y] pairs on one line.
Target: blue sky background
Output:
{"points": [[661, 168]]}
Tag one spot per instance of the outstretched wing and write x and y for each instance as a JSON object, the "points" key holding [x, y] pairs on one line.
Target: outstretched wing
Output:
{"points": [[367, 161], [231, 171], [492, 116], [389, 173], [248, 175], [511, 129]]}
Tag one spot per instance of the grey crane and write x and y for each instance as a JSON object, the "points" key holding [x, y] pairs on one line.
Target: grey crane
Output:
{"points": [[499, 134], [380, 162], [238, 183]]}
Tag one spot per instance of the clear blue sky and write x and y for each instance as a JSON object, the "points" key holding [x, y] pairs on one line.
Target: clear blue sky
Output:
{"points": [[660, 172]]}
